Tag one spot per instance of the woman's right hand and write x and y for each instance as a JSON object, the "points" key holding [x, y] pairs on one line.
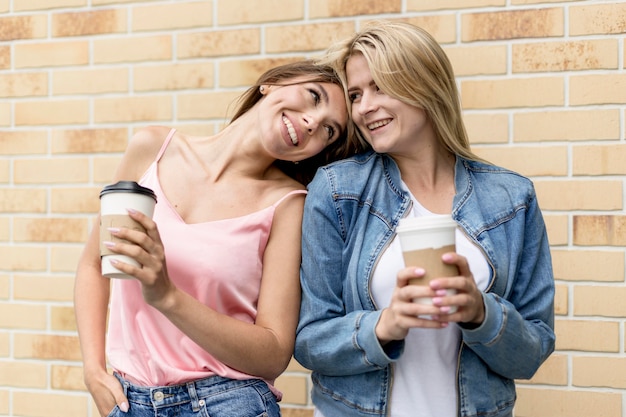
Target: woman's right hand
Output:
{"points": [[107, 392], [403, 314]]}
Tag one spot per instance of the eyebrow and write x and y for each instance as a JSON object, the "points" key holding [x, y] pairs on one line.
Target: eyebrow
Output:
{"points": [[325, 98]]}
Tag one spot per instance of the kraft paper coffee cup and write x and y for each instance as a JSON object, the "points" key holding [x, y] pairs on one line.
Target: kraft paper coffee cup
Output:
{"points": [[423, 241], [115, 199]]}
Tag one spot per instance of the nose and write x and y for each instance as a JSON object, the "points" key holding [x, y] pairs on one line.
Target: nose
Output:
{"points": [[310, 123], [366, 104]]}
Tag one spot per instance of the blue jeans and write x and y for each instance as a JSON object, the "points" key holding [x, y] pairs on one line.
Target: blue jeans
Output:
{"points": [[210, 397]]}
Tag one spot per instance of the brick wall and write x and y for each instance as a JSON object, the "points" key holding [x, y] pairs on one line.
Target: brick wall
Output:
{"points": [[543, 86]]}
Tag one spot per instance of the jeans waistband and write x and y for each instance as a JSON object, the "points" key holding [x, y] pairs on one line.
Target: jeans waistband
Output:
{"points": [[193, 391]]}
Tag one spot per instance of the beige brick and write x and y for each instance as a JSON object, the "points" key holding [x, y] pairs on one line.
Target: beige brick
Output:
{"points": [[45, 346], [244, 73], [294, 388], [218, 43], [65, 259], [67, 378], [172, 16], [565, 56], [134, 49], [102, 2], [517, 2], [542, 402], [48, 171], [597, 19], [593, 371], [4, 171], [49, 404], [104, 168], [173, 77], [599, 160], [51, 54], [75, 200], [478, 60], [441, 27], [89, 22], [566, 125], [424, 5], [294, 366], [23, 84], [580, 195], [604, 230], [22, 200], [293, 38], [528, 161], [234, 12], [62, 319], [535, 23], [90, 81], [23, 142], [337, 8], [5, 233], [133, 109], [206, 106], [597, 89], [23, 316], [558, 228], [4, 7], [5, 57], [89, 140], [5, 288], [588, 265], [513, 92], [553, 371], [26, 5], [4, 402], [23, 375], [43, 288], [49, 229], [5, 113], [603, 301], [600, 336], [23, 258], [4, 348], [561, 300], [52, 112], [487, 127], [286, 411], [23, 27]]}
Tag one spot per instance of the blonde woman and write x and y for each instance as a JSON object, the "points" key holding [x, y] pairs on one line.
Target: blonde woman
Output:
{"points": [[371, 350]]}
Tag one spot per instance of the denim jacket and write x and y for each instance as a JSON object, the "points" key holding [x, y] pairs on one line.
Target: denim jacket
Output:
{"points": [[351, 213]]}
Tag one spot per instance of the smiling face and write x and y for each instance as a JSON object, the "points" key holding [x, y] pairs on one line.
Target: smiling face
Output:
{"points": [[386, 123], [308, 116]]}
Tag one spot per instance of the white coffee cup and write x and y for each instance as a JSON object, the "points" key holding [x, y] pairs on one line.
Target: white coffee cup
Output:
{"points": [[115, 199], [423, 240]]}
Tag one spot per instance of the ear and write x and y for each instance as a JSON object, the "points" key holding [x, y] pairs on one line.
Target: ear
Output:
{"points": [[264, 89]]}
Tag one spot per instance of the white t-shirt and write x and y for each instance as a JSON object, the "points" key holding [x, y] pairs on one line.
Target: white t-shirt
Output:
{"points": [[424, 378]]}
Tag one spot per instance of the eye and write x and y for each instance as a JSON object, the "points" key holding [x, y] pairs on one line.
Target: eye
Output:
{"points": [[353, 97], [316, 96], [331, 132]]}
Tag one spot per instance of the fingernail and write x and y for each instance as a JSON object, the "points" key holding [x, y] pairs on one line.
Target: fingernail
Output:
{"points": [[436, 301], [124, 407], [446, 257], [108, 244], [131, 211], [441, 293], [419, 271], [113, 229]]}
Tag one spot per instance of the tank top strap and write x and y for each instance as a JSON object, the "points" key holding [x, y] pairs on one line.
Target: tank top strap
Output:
{"points": [[166, 142], [276, 204]]}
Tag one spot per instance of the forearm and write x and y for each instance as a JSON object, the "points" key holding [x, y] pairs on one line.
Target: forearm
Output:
{"points": [[247, 347]]}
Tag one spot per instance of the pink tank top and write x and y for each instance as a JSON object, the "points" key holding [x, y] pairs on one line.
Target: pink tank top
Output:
{"points": [[217, 262]]}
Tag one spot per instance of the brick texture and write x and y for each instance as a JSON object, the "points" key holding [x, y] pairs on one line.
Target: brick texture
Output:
{"points": [[542, 85]]}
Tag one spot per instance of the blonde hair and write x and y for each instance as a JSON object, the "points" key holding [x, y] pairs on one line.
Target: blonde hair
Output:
{"points": [[408, 64]]}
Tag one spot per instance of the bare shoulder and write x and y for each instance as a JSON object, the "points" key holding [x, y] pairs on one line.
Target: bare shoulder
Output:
{"points": [[142, 151]]}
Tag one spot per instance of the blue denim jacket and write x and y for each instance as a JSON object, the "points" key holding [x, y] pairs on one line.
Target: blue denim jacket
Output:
{"points": [[351, 213]]}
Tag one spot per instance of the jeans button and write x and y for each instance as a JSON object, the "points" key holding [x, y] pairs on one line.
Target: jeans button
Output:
{"points": [[158, 396]]}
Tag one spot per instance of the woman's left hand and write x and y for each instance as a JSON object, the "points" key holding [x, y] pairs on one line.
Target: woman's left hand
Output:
{"points": [[468, 298], [147, 249]]}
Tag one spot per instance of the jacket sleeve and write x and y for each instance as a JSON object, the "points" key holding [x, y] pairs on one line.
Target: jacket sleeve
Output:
{"points": [[517, 335], [333, 338]]}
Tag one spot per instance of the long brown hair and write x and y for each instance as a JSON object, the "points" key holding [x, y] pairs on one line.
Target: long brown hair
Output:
{"points": [[304, 71]]}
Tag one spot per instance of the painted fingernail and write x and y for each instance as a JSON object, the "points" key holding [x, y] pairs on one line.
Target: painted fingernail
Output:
{"points": [[124, 407], [113, 230], [108, 244]]}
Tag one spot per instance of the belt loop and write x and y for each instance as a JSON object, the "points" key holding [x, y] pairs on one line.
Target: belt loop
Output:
{"points": [[191, 388]]}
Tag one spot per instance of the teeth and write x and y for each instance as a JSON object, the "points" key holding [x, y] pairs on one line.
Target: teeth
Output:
{"points": [[291, 131], [380, 123]]}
